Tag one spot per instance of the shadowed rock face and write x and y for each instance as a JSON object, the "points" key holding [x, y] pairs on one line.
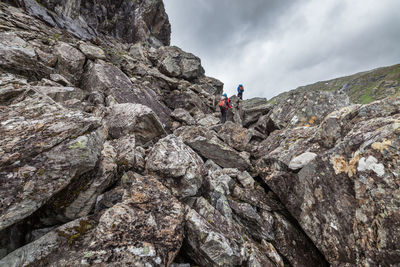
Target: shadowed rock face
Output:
{"points": [[112, 154], [129, 21]]}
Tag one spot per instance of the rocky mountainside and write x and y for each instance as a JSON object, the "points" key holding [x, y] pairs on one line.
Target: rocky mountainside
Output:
{"points": [[112, 154]]}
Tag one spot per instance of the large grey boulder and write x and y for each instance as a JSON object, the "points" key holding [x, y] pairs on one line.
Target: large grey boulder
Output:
{"points": [[346, 193], [174, 62], [128, 233], [105, 176], [235, 136], [252, 109], [91, 51], [183, 116], [177, 165], [43, 148], [305, 107], [61, 94], [209, 146], [110, 80], [70, 62], [124, 119], [208, 245], [18, 56]]}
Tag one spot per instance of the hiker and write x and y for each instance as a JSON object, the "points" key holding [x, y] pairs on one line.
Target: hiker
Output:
{"points": [[224, 105], [240, 90]]}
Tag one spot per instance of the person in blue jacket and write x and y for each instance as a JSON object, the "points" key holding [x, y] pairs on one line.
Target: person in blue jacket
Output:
{"points": [[240, 90]]}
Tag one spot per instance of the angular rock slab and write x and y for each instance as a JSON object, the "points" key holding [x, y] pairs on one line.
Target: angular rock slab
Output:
{"points": [[70, 62], [209, 146], [145, 229], [346, 199], [42, 149], [113, 82], [177, 164], [235, 135], [19, 56], [124, 119], [174, 62]]}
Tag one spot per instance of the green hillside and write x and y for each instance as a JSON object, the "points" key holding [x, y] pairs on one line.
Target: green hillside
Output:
{"points": [[363, 87]]}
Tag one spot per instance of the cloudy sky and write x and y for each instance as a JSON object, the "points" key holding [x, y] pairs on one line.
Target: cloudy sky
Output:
{"points": [[273, 46]]}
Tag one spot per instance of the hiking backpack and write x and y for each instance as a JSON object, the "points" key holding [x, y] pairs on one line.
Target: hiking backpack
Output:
{"points": [[222, 103]]}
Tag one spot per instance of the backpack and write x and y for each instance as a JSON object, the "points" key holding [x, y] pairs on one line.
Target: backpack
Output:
{"points": [[222, 103]]}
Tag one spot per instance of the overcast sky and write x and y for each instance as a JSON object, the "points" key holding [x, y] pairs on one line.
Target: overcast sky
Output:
{"points": [[273, 46]]}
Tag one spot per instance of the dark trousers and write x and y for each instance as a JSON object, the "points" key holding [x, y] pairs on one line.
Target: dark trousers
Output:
{"points": [[223, 115], [240, 95]]}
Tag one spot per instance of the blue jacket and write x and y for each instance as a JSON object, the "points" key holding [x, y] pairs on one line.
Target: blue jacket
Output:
{"points": [[238, 89]]}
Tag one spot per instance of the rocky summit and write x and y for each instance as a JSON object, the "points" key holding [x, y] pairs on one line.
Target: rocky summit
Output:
{"points": [[112, 152]]}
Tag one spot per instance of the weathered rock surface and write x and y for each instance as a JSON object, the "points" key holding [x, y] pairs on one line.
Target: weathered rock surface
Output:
{"points": [[43, 148], [69, 62], [174, 62], [235, 136], [345, 199], [110, 80], [183, 116], [177, 165], [126, 233], [209, 146], [304, 107], [124, 119], [142, 20], [252, 109], [87, 176]]}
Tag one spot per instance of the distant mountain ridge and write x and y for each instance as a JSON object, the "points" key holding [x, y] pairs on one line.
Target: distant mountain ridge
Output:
{"points": [[362, 88], [315, 101]]}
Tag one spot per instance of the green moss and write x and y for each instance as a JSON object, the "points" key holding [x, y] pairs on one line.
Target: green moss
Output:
{"points": [[75, 232], [41, 172], [78, 144]]}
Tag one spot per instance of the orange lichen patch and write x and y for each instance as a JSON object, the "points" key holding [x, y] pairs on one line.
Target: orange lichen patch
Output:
{"points": [[381, 146], [312, 120], [341, 165]]}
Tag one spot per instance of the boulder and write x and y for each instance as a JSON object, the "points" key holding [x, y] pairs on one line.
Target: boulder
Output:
{"points": [[70, 62], [207, 245], [106, 175], [208, 121], [346, 192], [235, 136], [305, 107], [18, 56], [113, 82], [178, 166], [43, 148], [252, 109], [145, 229], [124, 119], [174, 62], [209, 146], [182, 116], [91, 52], [60, 79], [60, 94]]}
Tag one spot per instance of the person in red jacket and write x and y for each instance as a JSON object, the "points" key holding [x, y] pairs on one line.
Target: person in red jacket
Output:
{"points": [[224, 105]]}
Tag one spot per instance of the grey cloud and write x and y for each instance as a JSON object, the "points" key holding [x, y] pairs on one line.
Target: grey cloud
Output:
{"points": [[273, 46]]}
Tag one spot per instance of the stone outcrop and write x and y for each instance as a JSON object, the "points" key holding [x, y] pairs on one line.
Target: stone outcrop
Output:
{"points": [[124, 234], [345, 192], [178, 165], [112, 152], [129, 21]]}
